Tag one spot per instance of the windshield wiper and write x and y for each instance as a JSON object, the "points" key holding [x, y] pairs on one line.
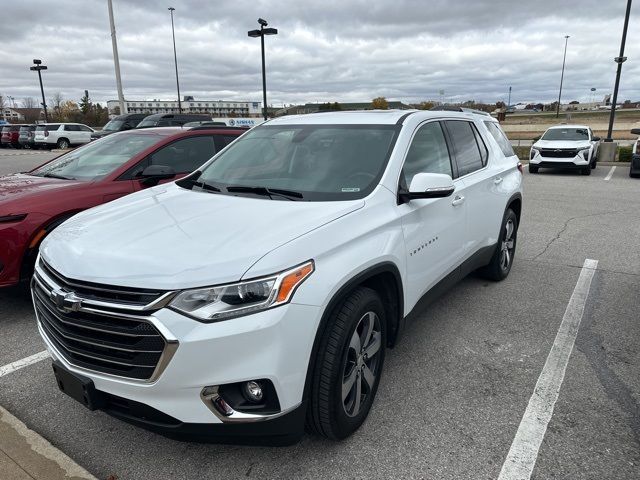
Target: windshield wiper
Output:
{"points": [[192, 182], [62, 177], [268, 192]]}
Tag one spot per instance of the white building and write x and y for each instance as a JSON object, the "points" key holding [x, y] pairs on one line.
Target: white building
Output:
{"points": [[215, 108]]}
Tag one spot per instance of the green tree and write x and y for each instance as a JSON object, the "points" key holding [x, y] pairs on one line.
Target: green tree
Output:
{"points": [[425, 105], [380, 103], [85, 104]]}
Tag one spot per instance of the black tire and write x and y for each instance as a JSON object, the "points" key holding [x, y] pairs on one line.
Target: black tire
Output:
{"points": [[63, 143], [593, 164], [533, 169], [335, 363], [586, 171], [496, 269]]}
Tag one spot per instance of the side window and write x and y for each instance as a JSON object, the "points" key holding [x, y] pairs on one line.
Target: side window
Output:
{"points": [[428, 153], [499, 136], [465, 145], [71, 128], [227, 139], [84, 128], [185, 155]]}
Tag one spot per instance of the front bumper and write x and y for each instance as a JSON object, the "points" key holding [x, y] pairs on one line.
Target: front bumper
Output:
{"points": [[274, 344], [569, 162]]}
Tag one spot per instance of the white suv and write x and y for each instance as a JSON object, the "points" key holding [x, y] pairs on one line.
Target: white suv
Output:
{"points": [[62, 135], [262, 289], [565, 146]]}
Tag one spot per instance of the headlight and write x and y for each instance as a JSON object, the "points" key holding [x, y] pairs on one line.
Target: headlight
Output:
{"points": [[585, 153], [238, 299], [533, 153]]}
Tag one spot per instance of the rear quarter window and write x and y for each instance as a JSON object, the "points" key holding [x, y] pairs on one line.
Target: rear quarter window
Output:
{"points": [[499, 136]]}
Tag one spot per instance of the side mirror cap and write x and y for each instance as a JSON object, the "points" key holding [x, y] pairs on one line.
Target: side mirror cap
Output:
{"points": [[596, 139], [154, 173], [635, 131], [428, 185]]}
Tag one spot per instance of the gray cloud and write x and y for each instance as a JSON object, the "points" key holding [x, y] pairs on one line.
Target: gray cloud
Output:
{"points": [[326, 50]]}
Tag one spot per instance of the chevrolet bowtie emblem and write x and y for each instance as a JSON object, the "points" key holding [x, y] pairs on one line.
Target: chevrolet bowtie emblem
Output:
{"points": [[66, 301]]}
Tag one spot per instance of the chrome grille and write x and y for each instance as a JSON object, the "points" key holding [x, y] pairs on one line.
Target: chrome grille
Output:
{"points": [[110, 335]]}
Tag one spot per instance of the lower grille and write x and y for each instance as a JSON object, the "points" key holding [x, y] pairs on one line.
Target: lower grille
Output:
{"points": [[559, 152], [101, 340]]}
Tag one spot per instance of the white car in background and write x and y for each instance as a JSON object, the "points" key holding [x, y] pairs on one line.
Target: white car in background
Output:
{"points": [[565, 146], [264, 288], [62, 135]]}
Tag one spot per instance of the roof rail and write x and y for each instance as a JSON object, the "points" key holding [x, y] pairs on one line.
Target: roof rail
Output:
{"points": [[454, 108], [218, 127]]}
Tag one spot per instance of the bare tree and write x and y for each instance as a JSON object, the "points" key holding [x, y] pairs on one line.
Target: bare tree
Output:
{"points": [[29, 102], [2, 106], [55, 103]]}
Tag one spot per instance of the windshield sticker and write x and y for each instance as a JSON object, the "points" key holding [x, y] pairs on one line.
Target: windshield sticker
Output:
{"points": [[351, 189]]}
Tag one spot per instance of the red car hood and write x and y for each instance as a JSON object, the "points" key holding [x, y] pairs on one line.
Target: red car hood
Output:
{"points": [[19, 186]]}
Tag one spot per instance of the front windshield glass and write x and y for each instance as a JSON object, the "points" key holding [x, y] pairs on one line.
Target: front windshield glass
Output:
{"points": [[148, 123], [113, 125], [320, 162], [96, 159], [569, 134]]}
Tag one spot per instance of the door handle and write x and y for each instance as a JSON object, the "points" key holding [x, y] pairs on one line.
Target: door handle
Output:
{"points": [[458, 200], [497, 180]]}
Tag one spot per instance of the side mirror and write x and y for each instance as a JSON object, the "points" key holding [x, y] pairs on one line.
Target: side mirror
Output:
{"points": [[126, 126], [595, 139], [635, 131], [154, 173], [428, 185]]}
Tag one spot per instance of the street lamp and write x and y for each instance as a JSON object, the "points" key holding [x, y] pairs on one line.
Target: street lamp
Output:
{"points": [[564, 59], [175, 58], [261, 33], [38, 67], [620, 59]]}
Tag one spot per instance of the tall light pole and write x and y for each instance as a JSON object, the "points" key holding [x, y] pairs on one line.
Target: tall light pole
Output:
{"points": [[261, 33], [564, 59], [175, 58], [620, 59], [509, 101], [116, 59], [38, 67]]}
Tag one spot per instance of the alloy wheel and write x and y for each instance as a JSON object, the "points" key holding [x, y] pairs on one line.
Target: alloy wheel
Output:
{"points": [[508, 245], [361, 366]]}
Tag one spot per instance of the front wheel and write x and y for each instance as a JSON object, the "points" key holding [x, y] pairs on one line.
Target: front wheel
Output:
{"points": [[348, 366], [63, 144], [533, 169], [586, 171]]}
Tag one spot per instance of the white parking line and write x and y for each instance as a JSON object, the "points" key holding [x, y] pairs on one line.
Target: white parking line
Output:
{"points": [[25, 362], [523, 453], [608, 177]]}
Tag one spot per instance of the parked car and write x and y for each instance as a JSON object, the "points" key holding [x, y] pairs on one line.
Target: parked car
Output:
{"points": [[32, 204], [263, 288], [204, 123], [62, 135], [119, 124], [171, 119], [26, 136], [10, 135], [565, 146], [634, 170]]}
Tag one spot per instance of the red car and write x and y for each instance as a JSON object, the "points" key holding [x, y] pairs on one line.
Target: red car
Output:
{"points": [[10, 134], [35, 202]]}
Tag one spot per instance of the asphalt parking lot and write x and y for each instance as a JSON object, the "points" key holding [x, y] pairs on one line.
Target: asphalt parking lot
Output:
{"points": [[454, 390]]}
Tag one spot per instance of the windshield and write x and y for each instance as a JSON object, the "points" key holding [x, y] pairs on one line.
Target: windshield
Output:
{"points": [[97, 159], [569, 134], [113, 125], [148, 123], [318, 162]]}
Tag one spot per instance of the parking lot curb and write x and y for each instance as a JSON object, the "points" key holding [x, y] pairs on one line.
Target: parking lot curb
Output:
{"points": [[26, 455]]}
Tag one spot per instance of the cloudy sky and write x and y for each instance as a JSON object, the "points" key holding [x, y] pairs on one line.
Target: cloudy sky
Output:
{"points": [[327, 50]]}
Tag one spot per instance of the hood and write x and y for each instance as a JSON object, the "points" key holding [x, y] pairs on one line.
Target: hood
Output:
{"points": [[20, 186], [101, 133], [168, 237], [561, 144]]}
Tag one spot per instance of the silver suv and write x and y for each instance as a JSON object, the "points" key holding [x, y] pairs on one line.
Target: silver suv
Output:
{"points": [[62, 135]]}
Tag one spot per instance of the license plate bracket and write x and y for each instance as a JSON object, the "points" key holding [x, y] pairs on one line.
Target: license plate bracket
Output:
{"points": [[77, 387]]}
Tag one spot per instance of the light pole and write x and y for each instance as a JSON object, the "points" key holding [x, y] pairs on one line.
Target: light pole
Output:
{"points": [[38, 67], [175, 58], [116, 59], [509, 101], [564, 59], [261, 33], [620, 59]]}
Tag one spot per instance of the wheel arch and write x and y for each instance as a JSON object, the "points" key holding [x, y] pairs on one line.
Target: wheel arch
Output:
{"points": [[515, 204], [386, 280]]}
